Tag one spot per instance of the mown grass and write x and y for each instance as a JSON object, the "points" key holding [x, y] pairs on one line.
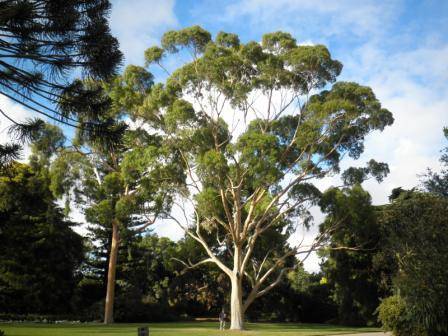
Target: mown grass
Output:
{"points": [[174, 329]]}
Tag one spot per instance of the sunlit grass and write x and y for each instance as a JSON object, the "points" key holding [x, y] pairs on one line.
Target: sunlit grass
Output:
{"points": [[174, 329]]}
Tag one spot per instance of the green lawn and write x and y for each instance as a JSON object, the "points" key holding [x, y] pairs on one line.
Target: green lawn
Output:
{"points": [[174, 329]]}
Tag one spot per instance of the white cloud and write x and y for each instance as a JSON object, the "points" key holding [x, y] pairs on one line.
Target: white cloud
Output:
{"points": [[76, 215], [138, 24], [168, 228], [412, 85], [326, 17]]}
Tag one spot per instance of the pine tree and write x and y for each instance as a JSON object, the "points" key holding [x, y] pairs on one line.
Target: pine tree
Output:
{"points": [[42, 44]]}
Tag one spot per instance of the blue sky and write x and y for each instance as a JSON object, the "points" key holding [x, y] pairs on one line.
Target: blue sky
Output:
{"points": [[399, 48]]}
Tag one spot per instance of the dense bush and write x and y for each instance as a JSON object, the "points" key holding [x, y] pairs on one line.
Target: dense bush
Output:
{"points": [[394, 316], [47, 318], [417, 230]]}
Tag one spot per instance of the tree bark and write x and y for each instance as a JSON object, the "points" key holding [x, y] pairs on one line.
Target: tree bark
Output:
{"points": [[110, 292], [236, 304]]}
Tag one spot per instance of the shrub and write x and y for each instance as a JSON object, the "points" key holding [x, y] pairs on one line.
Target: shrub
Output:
{"points": [[417, 229], [2, 333], [393, 314]]}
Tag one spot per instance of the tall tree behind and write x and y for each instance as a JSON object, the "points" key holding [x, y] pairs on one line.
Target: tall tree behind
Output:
{"points": [[124, 185], [416, 224], [354, 272], [39, 252], [42, 42], [263, 128]]}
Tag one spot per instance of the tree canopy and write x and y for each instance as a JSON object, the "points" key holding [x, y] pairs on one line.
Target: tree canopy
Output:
{"points": [[258, 122], [39, 252]]}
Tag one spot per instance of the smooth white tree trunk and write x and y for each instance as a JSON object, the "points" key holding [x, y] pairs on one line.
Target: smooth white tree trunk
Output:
{"points": [[236, 304]]}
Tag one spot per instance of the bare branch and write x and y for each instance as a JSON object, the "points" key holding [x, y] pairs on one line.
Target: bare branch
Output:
{"points": [[190, 265]]}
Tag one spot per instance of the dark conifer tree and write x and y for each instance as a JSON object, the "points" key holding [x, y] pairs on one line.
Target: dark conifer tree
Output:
{"points": [[43, 43]]}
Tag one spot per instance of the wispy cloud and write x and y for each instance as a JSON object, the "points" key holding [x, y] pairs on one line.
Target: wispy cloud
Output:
{"points": [[138, 24], [311, 17]]}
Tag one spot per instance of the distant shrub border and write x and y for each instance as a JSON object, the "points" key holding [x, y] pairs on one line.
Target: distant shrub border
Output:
{"points": [[5, 317]]}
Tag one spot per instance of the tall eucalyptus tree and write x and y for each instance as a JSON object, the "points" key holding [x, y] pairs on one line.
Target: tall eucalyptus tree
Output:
{"points": [[260, 123]]}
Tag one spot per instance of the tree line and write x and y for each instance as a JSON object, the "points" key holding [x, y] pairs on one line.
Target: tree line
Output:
{"points": [[50, 272], [390, 271]]}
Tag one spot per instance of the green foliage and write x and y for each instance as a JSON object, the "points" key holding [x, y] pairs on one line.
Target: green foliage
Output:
{"points": [[153, 55], [278, 41], [128, 90], [260, 152], [89, 45], [353, 175], [47, 140], [26, 131], [208, 201], [144, 273], [8, 154], [355, 271], [300, 298], [39, 251], [254, 124], [227, 40], [212, 166], [201, 291], [179, 113], [393, 313], [193, 37], [43, 43], [124, 182], [399, 248], [112, 184], [416, 225]]}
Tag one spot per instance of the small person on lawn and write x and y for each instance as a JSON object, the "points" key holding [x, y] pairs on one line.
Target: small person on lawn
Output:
{"points": [[222, 319]]}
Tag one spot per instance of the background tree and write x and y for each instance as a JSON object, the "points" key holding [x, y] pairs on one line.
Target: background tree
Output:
{"points": [[301, 297], [437, 183], [417, 227], [357, 272], [124, 185], [41, 44], [143, 277], [39, 252], [264, 128]]}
